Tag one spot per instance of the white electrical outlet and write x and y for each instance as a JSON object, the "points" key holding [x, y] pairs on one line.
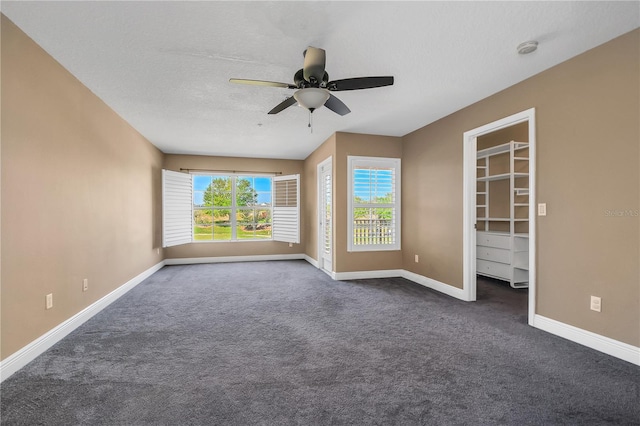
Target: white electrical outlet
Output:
{"points": [[417, 258], [542, 209], [49, 301], [85, 284], [290, 244], [158, 251], [596, 304]]}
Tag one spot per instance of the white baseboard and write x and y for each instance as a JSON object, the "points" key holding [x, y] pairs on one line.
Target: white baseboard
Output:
{"points": [[226, 259], [589, 339], [447, 289], [586, 338], [312, 261], [363, 275], [22, 357], [28, 353]]}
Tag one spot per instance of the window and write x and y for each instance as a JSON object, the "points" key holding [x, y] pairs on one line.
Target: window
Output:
{"points": [[231, 208], [216, 207], [373, 203]]}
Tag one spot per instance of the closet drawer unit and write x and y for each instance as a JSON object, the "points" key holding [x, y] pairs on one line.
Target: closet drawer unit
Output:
{"points": [[494, 269], [493, 254], [493, 240]]}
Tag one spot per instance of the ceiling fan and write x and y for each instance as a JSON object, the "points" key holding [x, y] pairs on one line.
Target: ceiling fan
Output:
{"points": [[313, 85]]}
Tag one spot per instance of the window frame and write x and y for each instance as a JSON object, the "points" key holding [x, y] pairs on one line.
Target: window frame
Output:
{"points": [[233, 208], [354, 163]]}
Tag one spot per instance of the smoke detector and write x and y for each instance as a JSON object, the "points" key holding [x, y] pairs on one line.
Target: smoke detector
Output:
{"points": [[527, 47]]}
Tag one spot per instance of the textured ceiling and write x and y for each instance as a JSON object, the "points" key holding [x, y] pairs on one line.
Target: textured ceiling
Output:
{"points": [[165, 66]]}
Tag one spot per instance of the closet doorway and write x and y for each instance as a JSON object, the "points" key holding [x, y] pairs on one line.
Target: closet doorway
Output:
{"points": [[499, 201]]}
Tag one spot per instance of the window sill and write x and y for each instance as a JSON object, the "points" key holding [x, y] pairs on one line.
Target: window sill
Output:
{"points": [[230, 241], [368, 249]]}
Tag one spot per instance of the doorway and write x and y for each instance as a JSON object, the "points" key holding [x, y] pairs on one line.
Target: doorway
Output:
{"points": [[507, 231], [325, 213]]}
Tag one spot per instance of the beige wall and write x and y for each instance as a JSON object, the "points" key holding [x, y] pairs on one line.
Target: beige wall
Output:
{"points": [[588, 140], [80, 194], [237, 248], [432, 201], [339, 147], [369, 146]]}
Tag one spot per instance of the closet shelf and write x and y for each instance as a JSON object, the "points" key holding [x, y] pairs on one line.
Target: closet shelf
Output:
{"points": [[500, 149], [501, 176], [501, 219]]}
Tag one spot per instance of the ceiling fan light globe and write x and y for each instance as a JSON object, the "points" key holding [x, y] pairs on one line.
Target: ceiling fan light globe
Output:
{"points": [[311, 98]]}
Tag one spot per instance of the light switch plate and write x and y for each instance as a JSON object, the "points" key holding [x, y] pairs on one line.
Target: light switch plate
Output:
{"points": [[542, 209]]}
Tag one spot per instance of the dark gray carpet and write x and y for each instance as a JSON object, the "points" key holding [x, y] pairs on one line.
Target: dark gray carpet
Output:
{"points": [[280, 343]]}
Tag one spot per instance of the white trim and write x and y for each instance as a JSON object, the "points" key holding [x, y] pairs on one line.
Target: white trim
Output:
{"points": [[469, 188], [312, 261], [364, 275], [589, 339], [326, 163], [469, 140], [227, 259], [586, 338], [441, 287], [354, 161], [22, 357], [436, 285]]}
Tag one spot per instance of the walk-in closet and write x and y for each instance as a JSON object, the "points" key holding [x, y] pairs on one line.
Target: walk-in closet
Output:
{"points": [[502, 202]]}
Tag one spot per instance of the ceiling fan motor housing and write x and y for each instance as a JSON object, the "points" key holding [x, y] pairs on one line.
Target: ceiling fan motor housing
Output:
{"points": [[301, 83]]}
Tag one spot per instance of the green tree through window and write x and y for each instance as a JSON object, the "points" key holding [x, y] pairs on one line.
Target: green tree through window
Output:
{"points": [[218, 216]]}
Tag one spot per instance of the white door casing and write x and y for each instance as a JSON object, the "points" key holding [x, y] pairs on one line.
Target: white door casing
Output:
{"points": [[469, 141], [325, 216]]}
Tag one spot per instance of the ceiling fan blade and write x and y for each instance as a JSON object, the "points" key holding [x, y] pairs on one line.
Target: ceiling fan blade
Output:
{"points": [[359, 83], [314, 62], [337, 106], [262, 83], [283, 105]]}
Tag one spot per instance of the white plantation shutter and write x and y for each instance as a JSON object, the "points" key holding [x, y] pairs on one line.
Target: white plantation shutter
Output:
{"points": [[286, 208], [176, 208]]}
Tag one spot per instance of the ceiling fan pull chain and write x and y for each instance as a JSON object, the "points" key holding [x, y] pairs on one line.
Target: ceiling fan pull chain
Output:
{"points": [[310, 121]]}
